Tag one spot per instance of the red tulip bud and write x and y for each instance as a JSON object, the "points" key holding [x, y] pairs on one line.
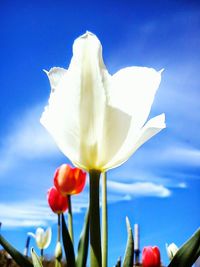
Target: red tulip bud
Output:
{"points": [[68, 180], [151, 257], [57, 202]]}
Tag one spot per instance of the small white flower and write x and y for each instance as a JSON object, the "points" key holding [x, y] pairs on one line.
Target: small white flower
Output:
{"points": [[171, 250], [42, 238], [99, 120]]}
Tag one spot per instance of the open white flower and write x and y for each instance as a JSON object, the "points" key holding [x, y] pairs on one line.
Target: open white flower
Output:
{"points": [[97, 119], [42, 238], [171, 250]]}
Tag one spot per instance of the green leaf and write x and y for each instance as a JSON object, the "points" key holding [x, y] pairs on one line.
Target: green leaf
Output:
{"points": [[58, 263], [67, 243], [83, 243], [36, 260], [188, 253], [19, 258], [128, 258], [118, 264]]}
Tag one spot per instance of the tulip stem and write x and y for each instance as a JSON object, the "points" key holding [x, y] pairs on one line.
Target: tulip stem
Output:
{"points": [[58, 237], [58, 257], [104, 221], [95, 231], [41, 254], [70, 219]]}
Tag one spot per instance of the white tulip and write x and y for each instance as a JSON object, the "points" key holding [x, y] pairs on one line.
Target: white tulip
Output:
{"points": [[98, 120], [42, 238], [171, 250]]}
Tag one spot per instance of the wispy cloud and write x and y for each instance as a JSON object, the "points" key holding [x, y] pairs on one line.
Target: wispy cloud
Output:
{"points": [[26, 214], [138, 189], [186, 155], [29, 213], [26, 140]]}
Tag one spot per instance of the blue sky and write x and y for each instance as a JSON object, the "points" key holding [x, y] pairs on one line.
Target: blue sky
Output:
{"points": [[159, 185]]}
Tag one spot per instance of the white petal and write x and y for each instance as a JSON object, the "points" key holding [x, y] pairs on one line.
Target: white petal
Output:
{"points": [[136, 139], [47, 238], [151, 128], [133, 90], [75, 113], [92, 96], [114, 133], [171, 250], [39, 237], [55, 75]]}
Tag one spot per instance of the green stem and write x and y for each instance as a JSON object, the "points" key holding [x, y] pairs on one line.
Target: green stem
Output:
{"points": [[58, 253], [58, 235], [70, 219], [41, 254], [104, 221], [95, 231]]}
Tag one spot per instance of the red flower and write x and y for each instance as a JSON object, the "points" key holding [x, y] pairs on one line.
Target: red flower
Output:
{"points": [[57, 202], [151, 257], [68, 180]]}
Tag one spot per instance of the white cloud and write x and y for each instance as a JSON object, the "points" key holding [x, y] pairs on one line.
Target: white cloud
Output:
{"points": [[30, 213], [27, 140], [169, 165], [184, 155], [26, 214], [138, 189], [182, 185]]}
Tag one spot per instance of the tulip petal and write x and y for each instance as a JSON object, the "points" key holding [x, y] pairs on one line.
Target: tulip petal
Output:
{"points": [[136, 139], [114, 133], [74, 116], [171, 250], [55, 75], [39, 236], [133, 90], [59, 117], [47, 237], [151, 128], [94, 78]]}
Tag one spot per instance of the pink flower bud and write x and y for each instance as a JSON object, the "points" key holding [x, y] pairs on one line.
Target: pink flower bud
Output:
{"points": [[151, 257], [57, 202]]}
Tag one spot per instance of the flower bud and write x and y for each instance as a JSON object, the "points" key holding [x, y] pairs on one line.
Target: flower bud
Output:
{"points": [[171, 250], [68, 180], [57, 202], [58, 251], [42, 237], [151, 257]]}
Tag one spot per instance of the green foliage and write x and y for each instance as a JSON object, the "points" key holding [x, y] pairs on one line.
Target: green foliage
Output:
{"points": [[58, 263], [20, 259], [67, 243], [36, 260], [129, 253], [188, 253], [83, 244]]}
